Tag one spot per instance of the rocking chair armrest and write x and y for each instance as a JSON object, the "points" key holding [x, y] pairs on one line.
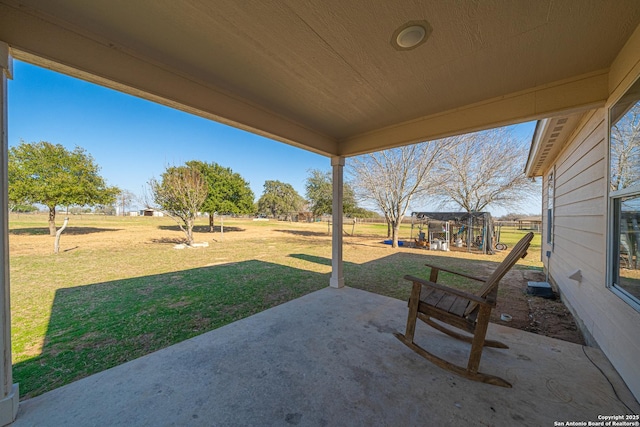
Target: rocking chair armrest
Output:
{"points": [[456, 273], [453, 291]]}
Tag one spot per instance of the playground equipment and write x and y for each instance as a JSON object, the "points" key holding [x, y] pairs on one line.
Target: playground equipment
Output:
{"points": [[454, 229], [499, 246]]}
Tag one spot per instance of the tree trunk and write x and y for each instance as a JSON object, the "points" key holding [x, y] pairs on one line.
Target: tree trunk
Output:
{"points": [[52, 221], [395, 231], [388, 228], [56, 245], [211, 225], [190, 231]]}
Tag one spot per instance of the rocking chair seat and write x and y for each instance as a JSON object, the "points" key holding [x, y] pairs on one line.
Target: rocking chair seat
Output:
{"points": [[437, 305]]}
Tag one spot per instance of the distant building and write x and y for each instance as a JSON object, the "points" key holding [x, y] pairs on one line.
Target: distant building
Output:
{"points": [[151, 212], [530, 223]]}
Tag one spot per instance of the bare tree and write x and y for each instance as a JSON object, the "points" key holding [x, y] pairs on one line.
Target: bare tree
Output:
{"points": [[392, 178], [625, 150], [125, 199], [145, 197], [181, 194], [484, 169]]}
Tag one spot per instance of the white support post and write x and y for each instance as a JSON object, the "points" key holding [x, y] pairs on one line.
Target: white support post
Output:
{"points": [[337, 277], [8, 390]]}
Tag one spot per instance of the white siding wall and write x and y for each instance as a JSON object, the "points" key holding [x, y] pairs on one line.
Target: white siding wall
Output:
{"points": [[580, 243]]}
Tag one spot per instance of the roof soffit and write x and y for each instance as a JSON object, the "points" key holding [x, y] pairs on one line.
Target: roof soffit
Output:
{"points": [[550, 137]]}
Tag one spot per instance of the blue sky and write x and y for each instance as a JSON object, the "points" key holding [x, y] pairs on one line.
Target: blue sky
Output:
{"points": [[133, 140]]}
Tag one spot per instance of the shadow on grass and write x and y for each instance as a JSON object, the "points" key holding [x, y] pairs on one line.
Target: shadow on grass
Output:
{"points": [[346, 233], [385, 276], [73, 231], [312, 258], [203, 229], [169, 240], [98, 326], [305, 233]]}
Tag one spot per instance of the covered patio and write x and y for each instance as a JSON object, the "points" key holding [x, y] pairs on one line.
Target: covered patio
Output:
{"points": [[339, 78], [330, 358]]}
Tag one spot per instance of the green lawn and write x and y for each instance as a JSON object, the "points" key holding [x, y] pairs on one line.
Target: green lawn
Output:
{"points": [[119, 290]]}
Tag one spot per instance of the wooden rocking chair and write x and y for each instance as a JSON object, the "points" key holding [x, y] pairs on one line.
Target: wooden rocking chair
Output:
{"points": [[463, 310]]}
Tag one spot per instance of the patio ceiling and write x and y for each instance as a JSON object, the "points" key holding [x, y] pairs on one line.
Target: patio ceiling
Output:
{"points": [[323, 74]]}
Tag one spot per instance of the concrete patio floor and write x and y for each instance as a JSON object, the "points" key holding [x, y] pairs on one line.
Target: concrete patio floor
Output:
{"points": [[330, 359]]}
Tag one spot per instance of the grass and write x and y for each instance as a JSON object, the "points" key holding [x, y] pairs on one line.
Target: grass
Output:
{"points": [[119, 290]]}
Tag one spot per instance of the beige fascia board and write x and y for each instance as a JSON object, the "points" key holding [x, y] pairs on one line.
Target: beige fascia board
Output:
{"points": [[563, 97], [41, 42], [625, 69], [543, 135], [534, 151]]}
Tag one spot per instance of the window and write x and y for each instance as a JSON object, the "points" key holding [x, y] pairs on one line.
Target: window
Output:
{"points": [[550, 197], [624, 196]]}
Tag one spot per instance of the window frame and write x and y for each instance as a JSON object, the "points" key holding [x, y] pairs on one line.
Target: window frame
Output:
{"points": [[614, 203]]}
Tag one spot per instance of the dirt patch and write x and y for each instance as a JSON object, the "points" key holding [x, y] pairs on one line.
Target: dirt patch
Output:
{"points": [[549, 317]]}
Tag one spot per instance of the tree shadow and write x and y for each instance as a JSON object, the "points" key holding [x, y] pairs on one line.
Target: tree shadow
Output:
{"points": [[95, 327], [369, 245], [304, 233], [169, 241], [345, 232], [203, 228], [72, 231]]}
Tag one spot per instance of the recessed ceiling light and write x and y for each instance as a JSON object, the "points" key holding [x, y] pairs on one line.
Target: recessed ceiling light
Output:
{"points": [[411, 35]]}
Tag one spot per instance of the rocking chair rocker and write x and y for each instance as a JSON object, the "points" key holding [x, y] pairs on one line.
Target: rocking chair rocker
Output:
{"points": [[463, 310]]}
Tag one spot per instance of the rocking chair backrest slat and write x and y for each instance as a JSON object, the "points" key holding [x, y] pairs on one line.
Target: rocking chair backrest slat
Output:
{"points": [[518, 251]]}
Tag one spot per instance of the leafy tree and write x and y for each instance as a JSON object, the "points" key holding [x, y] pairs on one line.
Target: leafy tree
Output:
{"points": [[484, 169], [320, 194], [359, 212], [78, 210], [181, 193], [22, 208], [279, 198], [229, 193], [48, 174], [105, 210], [390, 179]]}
